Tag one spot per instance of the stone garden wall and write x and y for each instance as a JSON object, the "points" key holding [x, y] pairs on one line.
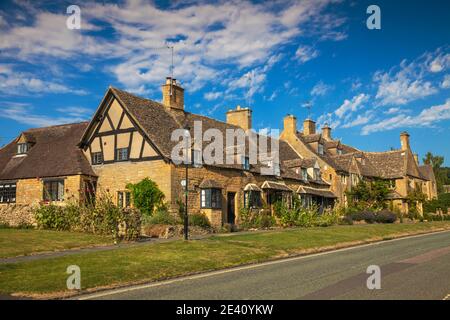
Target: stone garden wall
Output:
{"points": [[16, 215]]}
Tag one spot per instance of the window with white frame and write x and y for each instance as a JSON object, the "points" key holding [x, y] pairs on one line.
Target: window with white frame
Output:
{"points": [[122, 154], [316, 174], [355, 179], [320, 148], [304, 174], [22, 148], [211, 198], [97, 158], [7, 192], [123, 199], [252, 199]]}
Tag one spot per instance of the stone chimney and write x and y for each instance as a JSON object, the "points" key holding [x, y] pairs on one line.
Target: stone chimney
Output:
{"points": [[173, 94], [309, 127], [326, 132], [290, 124], [241, 117], [404, 140]]}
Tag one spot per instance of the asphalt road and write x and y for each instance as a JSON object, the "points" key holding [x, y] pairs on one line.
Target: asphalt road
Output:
{"points": [[411, 268]]}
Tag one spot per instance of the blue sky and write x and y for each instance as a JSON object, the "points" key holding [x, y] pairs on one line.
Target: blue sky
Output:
{"points": [[275, 57]]}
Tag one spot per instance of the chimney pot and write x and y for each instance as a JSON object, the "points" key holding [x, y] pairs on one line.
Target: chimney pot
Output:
{"points": [[290, 124], [404, 140], [309, 127], [173, 94], [241, 117], [326, 132]]}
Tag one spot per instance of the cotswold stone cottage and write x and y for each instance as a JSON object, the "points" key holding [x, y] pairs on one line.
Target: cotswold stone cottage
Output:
{"points": [[129, 139]]}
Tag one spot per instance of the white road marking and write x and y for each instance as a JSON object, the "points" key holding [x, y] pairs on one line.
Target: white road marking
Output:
{"points": [[247, 267]]}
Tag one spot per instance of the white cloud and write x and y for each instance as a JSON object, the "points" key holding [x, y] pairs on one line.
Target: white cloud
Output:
{"points": [[411, 81], [356, 85], [321, 89], [212, 95], [446, 82], [360, 120], [329, 119], [212, 41], [402, 87], [440, 63], [306, 53], [392, 110], [23, 113], [426, 118], [350, 106], [13, 82]]}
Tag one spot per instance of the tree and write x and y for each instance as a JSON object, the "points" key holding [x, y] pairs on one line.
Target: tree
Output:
{"points": [[369, 194], [436, 162], [146, 196]]}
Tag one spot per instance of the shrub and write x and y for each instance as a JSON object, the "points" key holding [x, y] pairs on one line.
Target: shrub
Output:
{"points": [[367, 216], [199, 220], [146, 196], [436, 217], [102, 218], [51, 217], [247, 218], [264, 220], [131, 218], [442, 202], [346, 220], [385, 216], [327, 218], [162, 216]]}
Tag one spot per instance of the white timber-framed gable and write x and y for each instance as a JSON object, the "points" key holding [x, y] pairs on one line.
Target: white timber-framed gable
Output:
{"points": [[115, 136]]}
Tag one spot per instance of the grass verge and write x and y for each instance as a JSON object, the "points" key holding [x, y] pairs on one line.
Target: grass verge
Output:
{"points": [[20, 242], [47, 278]]}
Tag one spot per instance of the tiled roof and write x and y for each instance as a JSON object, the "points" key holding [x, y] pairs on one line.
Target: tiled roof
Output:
{"points": [[387, 165], [300, 163], [159, 122], [209, 183], [54, 153], [316, 192], [427, 172]]}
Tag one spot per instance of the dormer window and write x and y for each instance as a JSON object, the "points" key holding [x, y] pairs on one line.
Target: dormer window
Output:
{"points": [[320, 149], [304, 174], [316, 174], [22, 148], [339, 151]]}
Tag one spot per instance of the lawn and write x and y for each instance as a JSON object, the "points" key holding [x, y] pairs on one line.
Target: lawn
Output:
{"points": [[164, 260], [19, 242]]}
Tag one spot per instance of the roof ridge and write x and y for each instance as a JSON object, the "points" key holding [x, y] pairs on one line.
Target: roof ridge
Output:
{"points": [[55, 126], [382, 152]]}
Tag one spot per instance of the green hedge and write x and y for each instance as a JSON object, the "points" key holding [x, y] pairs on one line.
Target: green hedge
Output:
{"points": [[102, 218], [442, 202]]}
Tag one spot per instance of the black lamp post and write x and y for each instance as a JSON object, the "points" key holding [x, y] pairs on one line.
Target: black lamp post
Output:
{"points": [[186, 163]]}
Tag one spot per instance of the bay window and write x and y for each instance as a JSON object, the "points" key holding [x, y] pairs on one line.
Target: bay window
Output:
{"points": [[252, 199], [211, 198]]}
